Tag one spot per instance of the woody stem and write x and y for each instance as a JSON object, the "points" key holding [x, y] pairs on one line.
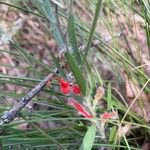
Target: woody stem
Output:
{"points": [[10, 115]]}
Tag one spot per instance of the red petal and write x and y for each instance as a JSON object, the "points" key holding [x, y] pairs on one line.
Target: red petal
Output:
{"points": [[75, 89], [64, 83], [64, 86], [107, 115], [65, 90], [79, 108]]}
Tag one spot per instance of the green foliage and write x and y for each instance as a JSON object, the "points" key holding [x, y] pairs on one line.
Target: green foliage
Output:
{"points": [[88, 139], [76, 72], [49, 11], [62, 130], [91, 35], [72, 38]]}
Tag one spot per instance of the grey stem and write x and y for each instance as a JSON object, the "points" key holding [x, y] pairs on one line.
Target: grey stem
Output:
{"points": [[10, 115]]}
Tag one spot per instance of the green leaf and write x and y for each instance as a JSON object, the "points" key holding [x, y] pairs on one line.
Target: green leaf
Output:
{"points": [[91, 35], [72, 38], [76, 72], [50, 14], [45, 7], [109, 97], [112, 134], [88, 139]]}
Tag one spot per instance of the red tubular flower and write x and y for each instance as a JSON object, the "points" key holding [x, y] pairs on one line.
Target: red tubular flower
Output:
{"points": [[72, 102], [64, 86], [75, 89], [107, 116]]}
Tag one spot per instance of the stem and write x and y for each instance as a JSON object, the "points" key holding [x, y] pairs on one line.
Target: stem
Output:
{"points": [[10, 115]]}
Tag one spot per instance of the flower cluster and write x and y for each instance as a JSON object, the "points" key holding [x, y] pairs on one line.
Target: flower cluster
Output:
{"points": [[67, 88]]}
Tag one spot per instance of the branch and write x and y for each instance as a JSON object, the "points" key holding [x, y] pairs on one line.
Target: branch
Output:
{"points": [[10, 115]]}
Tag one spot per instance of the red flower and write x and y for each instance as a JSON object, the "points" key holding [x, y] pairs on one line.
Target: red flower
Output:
{"points": [[107, 116], [75, 89], [64, 86], [72, 102]]}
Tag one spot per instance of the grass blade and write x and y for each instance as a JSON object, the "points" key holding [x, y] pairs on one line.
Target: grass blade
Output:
{"points": [[98, 8]]}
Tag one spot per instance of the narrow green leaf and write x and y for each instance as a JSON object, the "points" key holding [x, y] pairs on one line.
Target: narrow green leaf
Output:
{"points": [[112, 135], [126, 141], [88, 139], [76, 72], [109, 97], [72, 38], [97, 11], [50, 14]]}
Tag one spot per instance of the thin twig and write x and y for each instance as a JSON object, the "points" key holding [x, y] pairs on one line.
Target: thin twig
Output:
{"points": [[10, 115]]}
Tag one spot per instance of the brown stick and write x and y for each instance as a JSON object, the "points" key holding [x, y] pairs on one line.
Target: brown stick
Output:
{"points": [[10, 115]]}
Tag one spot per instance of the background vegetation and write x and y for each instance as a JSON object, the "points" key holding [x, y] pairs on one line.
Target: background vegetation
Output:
{"points": [[93, 43]]}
